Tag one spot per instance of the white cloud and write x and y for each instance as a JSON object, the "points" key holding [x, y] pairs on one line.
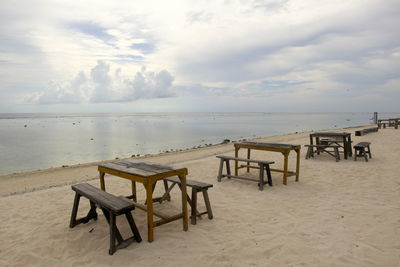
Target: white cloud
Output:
{"points": [[104, 86]]}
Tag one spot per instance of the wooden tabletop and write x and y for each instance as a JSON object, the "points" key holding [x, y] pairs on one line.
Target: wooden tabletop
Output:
{"points": [[329, 134], [270, 145], [141, 168]]}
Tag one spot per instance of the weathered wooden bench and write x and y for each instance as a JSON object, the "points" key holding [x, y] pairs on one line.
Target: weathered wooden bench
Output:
{"points": [[263, 165], [361, 150], [196, 187], [111, 206], [323, 148], [366, 131]]}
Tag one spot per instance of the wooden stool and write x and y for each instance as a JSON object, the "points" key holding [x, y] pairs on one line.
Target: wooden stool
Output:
{"points": [[196, 187], [111, 206], [363, 149]]}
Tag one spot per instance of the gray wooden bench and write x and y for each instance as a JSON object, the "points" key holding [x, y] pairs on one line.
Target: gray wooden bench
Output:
{"points": [[366, 131], [111, 206], [263, 165], [361, 150], [323, 148], [196, 187]]}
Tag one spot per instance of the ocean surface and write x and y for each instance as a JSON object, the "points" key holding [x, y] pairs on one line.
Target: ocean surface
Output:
{"points": [[38, 141]]}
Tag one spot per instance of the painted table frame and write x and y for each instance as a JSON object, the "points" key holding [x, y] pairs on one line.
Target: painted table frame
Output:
{"points": [[148, 174], [285, 149]]}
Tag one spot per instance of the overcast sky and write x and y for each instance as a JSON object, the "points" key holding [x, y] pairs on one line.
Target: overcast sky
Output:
{"points": [[144, 56]]}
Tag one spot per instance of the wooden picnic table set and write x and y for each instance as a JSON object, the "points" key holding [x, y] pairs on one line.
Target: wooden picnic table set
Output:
{"points": [[334, 143], [392, 122], [147, 174]]}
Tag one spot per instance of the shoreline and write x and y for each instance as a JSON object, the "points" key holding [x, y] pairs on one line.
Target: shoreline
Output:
{"points": [[200, 146], [25, 182]]}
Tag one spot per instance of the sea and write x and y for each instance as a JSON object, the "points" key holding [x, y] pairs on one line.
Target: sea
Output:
{"points": [[38, 141]]}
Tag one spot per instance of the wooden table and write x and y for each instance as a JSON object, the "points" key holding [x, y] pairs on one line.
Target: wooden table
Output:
{"points": [[274, 147], [344, 138], [148, 174]]}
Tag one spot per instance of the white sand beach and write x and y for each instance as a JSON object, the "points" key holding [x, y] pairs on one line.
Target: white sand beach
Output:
{"points": [[344, 213]]}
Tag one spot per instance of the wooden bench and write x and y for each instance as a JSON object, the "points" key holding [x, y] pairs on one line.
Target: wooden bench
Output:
{"points": [[262, 165], [111, 206], [196, 187], [363, 149], [366, 131], [323, 148]]}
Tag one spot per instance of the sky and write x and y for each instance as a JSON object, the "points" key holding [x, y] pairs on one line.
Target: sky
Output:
{"points": [[195, 56]]}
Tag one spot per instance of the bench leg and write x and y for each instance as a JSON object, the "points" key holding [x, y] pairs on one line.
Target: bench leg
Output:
{"points": [[208, 205], [268, 170], [365, 154], [309, 153], [166, 188], [228, 168], [132, 224], [336, 150], [72, 222], [194, 206], [92, 214], [261, 177], [166, 195], [369, 152], [112, 233]]}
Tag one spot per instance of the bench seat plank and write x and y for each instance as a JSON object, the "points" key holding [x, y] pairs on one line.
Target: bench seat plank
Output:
{"points": [[244, 159], [117, 205], [190, 183]]}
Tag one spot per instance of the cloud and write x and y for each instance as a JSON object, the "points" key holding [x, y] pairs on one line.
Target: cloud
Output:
{"points": [[145, 48], [105, 86], [92, 29]]}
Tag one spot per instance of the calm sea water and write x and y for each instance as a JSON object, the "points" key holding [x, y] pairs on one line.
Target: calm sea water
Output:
{"points": [[37, 141]]}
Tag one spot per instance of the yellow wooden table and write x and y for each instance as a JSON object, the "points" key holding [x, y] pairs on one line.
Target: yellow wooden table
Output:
{"points": [[148, 174], [274, 147]]}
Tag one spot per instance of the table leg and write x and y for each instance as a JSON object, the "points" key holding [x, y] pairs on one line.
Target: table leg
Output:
{"points": [[150, 225], [349, 148], [345, 147], [298, 165], [102, 185], [285, 168], [182, 178], [248, 157], [236, 162]]}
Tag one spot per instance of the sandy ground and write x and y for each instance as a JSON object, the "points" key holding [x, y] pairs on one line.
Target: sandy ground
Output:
{"points": [[344, 213]]}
